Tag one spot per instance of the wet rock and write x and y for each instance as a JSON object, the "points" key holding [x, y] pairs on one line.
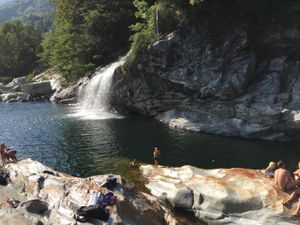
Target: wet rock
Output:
{"points": [[221, 196]]}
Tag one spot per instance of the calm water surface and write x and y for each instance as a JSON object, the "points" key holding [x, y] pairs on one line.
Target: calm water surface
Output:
{"points": [[54, 135]]}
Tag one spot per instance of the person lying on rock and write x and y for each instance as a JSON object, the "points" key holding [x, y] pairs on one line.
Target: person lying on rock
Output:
{"points": [[270, 170], [284, 181], [297, 172]]}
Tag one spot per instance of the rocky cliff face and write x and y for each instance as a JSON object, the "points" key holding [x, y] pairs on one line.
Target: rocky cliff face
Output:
{"points": [[221, 196], [236, 84]]}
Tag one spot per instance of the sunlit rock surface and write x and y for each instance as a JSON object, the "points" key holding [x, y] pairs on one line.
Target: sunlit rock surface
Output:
{"points": [[65, 194], [69, 95], [238, 85], [41, 87], [221, 196], [14, 97]]}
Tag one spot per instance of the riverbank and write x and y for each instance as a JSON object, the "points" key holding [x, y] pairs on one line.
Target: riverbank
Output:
{"points": [[219, 196]]}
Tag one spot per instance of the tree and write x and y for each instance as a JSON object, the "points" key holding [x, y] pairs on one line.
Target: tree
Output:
{"points": [[87, 34], [19, 46]]}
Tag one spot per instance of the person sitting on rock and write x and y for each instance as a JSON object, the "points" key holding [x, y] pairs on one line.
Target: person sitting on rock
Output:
{"points": [[270, 170], [134, 164], [7, 154], [3, 149], [285, 182], [297, 172], [10, 154]]}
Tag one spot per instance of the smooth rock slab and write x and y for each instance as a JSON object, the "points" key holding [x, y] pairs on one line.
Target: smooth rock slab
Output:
{"points": [[57, 196], [221, 196]]}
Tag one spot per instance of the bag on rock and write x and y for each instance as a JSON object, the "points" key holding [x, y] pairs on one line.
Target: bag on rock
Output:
{"points": [[85, 213], [111, 183], [109, 199]]}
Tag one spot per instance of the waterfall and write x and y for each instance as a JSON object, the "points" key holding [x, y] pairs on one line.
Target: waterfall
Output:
{"points": [[94, 97]]}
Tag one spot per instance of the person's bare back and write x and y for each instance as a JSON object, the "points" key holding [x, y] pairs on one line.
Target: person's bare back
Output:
{"points": [[283, 179]]}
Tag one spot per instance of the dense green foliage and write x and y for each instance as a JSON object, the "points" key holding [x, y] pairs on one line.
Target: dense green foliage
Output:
{"points": [[87, 34], [38, 13], [160, 17], [19, 46], [145, 29]]}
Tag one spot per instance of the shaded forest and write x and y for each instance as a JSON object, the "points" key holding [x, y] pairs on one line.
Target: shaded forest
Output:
{"points": [[82, 35]]}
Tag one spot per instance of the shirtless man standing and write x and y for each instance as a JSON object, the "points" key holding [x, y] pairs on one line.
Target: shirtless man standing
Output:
{"points": [[156, 155], [2, 151], [285, 182]]}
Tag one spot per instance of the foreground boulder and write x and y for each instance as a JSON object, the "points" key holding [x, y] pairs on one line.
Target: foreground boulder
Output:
{"points": [[49, 197], [220, 196]]}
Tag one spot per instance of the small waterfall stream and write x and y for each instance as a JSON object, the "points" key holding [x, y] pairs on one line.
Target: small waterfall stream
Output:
{"points": [[94, 97]]}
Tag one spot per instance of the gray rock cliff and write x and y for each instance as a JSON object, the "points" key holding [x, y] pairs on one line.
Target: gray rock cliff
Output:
{"points": [[232, 85]]}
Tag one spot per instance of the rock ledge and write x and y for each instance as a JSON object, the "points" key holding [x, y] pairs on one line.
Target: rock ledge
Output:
{"points": [[220, 196]]}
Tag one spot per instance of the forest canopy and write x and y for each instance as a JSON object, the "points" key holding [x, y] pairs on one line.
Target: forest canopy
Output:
{"points": [[19, 47], [91, 33]]}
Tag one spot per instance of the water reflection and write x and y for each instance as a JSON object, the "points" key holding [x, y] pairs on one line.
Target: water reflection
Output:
{"points": [[46, 133]]}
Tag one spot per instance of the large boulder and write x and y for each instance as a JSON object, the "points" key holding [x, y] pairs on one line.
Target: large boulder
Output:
{"points": [[50, 197], [233, 86], [69, 95], [17, 82], [221, 196], [14, 97], [38, 89], [53, 75]]}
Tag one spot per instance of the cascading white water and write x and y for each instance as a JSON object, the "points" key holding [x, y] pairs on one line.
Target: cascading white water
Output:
{"points": [[94, 97]]}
